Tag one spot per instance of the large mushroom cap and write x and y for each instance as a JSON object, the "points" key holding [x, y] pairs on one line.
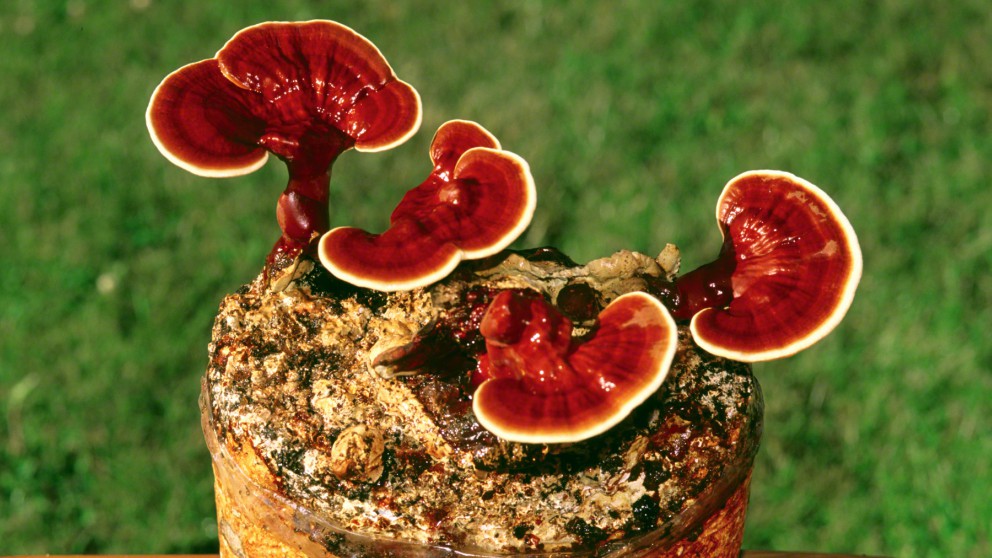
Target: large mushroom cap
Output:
{"points": [[305, 91], [798, 264], [476, 201], [545, 387]]}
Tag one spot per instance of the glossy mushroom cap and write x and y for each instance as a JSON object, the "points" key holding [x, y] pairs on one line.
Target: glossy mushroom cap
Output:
{"points": [[796, 265], [476, 201], [304, 91], [543, 386]]}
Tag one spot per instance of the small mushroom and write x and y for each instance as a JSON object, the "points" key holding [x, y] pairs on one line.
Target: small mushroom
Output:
{"points": [[786, 274], [544, 386], [475, 202], [305, 92]]}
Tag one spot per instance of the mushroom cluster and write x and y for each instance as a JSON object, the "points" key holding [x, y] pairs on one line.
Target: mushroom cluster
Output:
{"points": [[306, 92]]}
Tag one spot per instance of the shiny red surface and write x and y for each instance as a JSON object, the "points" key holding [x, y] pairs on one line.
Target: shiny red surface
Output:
{"points": [[205, 121], [475, 201], [528, 341], [545, 385], [453, 139], [303, 91], [320, 74], [797, 262]]}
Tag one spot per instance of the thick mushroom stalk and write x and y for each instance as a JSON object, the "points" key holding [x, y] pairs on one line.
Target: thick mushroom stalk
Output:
{"points": [[475, 202], [785, 277], [305, 92], [544, 386]]}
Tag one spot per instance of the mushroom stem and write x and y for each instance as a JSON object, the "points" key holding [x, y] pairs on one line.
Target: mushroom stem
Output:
{"points": [[707, 286], [302, 212], [303, 209]]}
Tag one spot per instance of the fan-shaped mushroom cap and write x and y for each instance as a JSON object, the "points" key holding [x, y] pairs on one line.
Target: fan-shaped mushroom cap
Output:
{"points": [[204, 124], [545, 387], [475, 202], [304, 91], [798, 264]]}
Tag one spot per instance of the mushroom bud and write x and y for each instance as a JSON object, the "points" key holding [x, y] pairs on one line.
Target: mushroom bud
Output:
{"points": [[475, 202], [305, 92], [785, 277], [544, 386]]}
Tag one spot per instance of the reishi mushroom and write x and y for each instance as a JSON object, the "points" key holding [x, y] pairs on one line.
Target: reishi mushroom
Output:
{"points": [[475, 202], [544, 386], [305, 92], [785, 277]]}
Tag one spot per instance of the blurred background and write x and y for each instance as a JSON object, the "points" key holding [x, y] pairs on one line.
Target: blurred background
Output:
{"points": [[632, 115]]}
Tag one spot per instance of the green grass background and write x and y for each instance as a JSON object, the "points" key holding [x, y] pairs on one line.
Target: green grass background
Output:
{"points": [[632, 115]]}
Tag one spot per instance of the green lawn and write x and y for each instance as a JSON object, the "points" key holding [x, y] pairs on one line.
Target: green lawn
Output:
{"points": [[632, 115]]}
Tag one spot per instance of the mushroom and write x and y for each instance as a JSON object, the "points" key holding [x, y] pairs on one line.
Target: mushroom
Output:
{"points": [[544, 386], [475, 202], [785, 277], [305, 92]]}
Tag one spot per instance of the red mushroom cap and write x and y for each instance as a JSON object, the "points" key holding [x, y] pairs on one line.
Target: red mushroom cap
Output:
{"points": [[798, 264], [476, 201], [204, 124], [305, 91], [546, 387]]}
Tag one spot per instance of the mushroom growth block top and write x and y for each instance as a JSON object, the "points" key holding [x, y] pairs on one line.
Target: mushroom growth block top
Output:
{"points": [[295, 399]]}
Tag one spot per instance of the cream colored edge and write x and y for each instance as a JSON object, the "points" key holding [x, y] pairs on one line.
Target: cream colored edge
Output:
{"points": [[661, 373], [473, 124], [385, 286], [172, 158], [525, 216], [847, 297], [457, 256]]}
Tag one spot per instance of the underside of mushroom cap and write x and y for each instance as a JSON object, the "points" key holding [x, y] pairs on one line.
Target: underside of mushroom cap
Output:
{"points": [[545, 387], [798, 264], [476, 201]]}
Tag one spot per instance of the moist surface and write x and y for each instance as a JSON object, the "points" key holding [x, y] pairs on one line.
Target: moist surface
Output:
{"points": [[358, 403]]}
